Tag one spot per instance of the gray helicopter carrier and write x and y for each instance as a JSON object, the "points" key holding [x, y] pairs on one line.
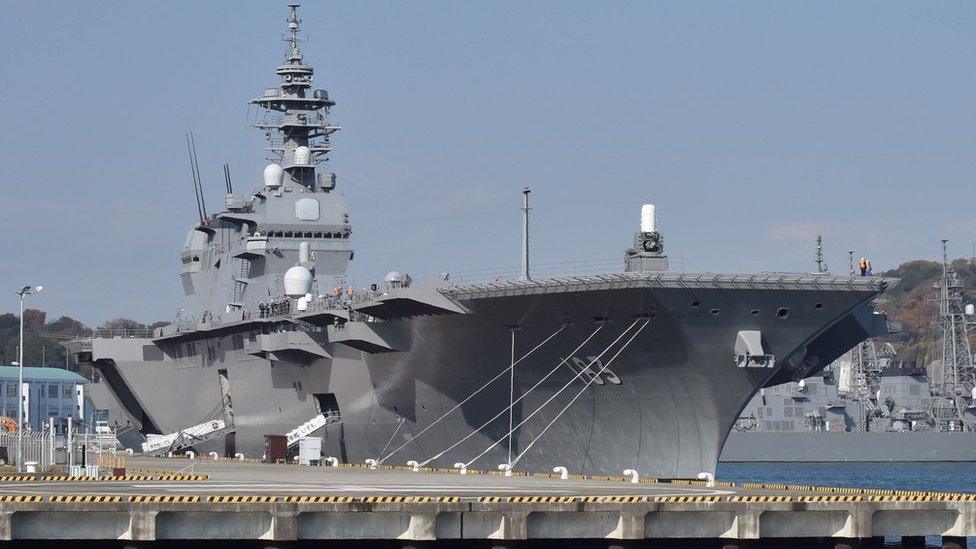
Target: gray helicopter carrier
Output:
{"points": [[645, 369]]}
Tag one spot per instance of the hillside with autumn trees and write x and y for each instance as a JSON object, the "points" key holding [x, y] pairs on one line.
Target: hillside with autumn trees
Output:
{"points": [[914, 303], [43, 337]]}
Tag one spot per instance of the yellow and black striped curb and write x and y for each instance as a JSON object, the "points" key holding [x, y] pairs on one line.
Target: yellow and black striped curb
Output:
{"points": [[526, 499], [241, 499], [394, 499], [685, 499], [368, 499], [127, 478], [87, 499], [19, 499], [320, 499], [834, 498], [164, 499], [942, 497], [899, 495], [759, 499]]}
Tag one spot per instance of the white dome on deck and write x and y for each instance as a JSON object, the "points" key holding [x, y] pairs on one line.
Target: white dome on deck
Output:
{"points": [[273, 175], [298, 281]]}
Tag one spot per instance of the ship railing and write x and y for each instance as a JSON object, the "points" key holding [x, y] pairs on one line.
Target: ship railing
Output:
{"points": [[122, 333], [560, 269]]}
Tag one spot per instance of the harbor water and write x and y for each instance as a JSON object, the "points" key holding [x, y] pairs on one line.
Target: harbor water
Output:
{"points": [[931, 477]]}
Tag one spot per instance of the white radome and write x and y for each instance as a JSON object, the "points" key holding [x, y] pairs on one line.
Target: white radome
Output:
{"points": [[647, 218], [298, 281], [273, 175], [303, 156]]}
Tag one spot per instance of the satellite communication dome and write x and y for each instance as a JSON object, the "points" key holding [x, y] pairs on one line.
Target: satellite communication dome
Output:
{"points": [[394, 277], [303, 156], [273, 175], [298, 281]]}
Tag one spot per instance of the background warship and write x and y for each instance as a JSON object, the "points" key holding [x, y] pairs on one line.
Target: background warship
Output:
{"points": [[870, 406], [646, 368]]}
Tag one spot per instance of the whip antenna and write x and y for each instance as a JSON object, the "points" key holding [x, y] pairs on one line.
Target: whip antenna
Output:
{"points": [[198, 180], [193, 173]]}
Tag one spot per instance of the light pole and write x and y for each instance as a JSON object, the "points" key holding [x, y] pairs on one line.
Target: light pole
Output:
{"points": [[24, 292]]}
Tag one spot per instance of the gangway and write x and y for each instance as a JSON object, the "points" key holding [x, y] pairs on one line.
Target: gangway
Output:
{"points": [[186, 438], [330, 417], [219, 423]]}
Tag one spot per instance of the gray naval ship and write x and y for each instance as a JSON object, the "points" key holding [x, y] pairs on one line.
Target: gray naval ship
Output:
{"points": [[646, 368], [870, 406]]}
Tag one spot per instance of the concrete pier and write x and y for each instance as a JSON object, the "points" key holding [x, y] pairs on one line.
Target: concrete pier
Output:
{"points": [[287, 505]]}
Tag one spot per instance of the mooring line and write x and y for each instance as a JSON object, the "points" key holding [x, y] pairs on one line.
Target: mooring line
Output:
{"points": [[503, 410], [469, 397], [580, 393], [556, 394]]}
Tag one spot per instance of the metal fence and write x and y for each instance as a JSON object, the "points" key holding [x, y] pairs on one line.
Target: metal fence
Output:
{"points": [[45, 449], [39, 448]]}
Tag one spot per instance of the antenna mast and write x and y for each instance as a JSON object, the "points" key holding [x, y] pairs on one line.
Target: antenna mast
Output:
{"points": [[525, 233], [958, 371], [294, 116], [821, 266]]}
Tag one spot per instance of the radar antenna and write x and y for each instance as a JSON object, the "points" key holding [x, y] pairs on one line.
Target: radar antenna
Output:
{"points": [[293, 25]]}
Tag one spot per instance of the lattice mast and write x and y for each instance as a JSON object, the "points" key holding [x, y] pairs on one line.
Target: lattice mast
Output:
{"points": [[958, 371], [295, 117]]}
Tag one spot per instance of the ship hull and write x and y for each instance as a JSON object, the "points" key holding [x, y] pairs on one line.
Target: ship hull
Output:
{"points": [[663, 406], [913, 446]]}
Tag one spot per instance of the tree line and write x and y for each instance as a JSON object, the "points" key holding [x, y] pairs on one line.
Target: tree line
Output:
{"points": [[43, 337]]}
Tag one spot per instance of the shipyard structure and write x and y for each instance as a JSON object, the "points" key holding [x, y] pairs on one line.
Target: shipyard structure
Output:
{"points": [[645, 368]]}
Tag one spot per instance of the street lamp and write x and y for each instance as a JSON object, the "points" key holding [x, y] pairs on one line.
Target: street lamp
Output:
{"points": [[23, 293]]}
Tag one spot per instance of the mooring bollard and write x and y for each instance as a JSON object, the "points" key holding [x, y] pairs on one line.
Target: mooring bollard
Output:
{"points": [[463, 468], [332, 461], [372, 463], [633, 474], [563, 473], [708, 478], [413, 465]]}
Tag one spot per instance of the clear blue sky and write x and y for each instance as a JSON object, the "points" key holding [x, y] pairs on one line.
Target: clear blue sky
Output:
{"points": [[752, 125]]}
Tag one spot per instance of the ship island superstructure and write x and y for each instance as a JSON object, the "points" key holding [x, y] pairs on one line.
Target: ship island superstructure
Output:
{"points": [[647, 368]]}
